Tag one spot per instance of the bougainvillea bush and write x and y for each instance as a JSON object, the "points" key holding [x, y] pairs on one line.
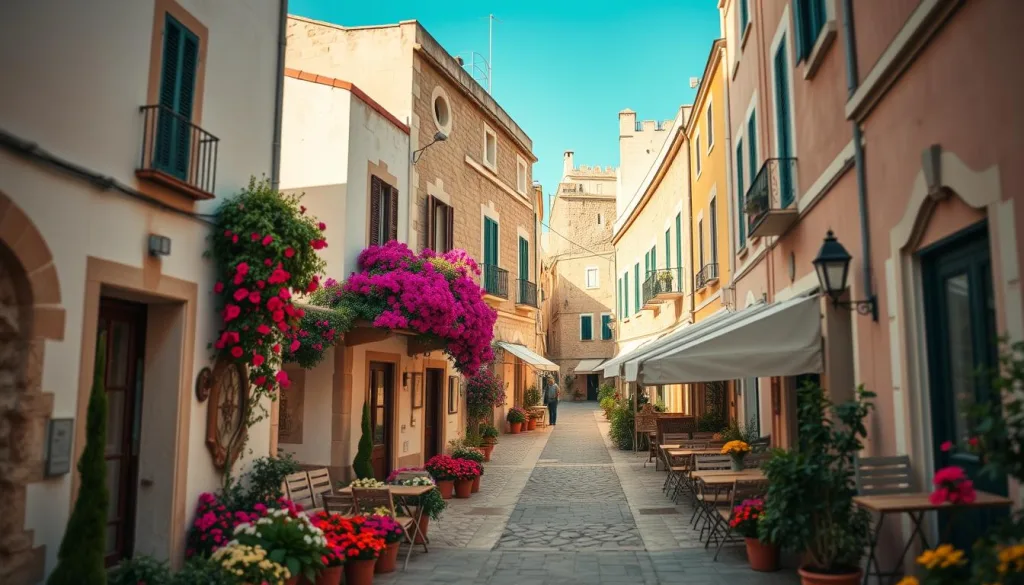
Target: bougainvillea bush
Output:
{"points": [[484, 392], [265, 247], [433, 295]]}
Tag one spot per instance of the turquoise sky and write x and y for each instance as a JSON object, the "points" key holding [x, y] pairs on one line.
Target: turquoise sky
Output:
{"points": [[564, 68]]}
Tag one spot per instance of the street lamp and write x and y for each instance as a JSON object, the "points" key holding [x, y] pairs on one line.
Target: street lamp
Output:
{"points": [[833, 267], [439, 137]]}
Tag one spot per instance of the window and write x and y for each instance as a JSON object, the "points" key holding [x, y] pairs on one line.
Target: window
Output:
{"points": [[521, 172], [744, 15], [592, 277], [442, 112], [177, 96], [490, 242], [490, 148], [440, 224], [783, 132], [741, 223], [713, 225], [383, 212], [636, 287], [679, 249], [606, 326], [600, 219], [618, 305], [586, 327], [524, 260], [696, 142], [809, 18], [709, 122], [700, 239]]}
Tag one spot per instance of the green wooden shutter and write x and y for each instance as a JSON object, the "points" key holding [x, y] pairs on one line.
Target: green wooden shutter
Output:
{"points": [[654, 259], [625, 309], [741, 223], [744, 15], [679, 250], [490, 242], [713, 227], [524, 260], [752, 144], [586, 327], [783, 127], [618, 304], [668, 249], [179, 67], [636, 287], [606, 327]]}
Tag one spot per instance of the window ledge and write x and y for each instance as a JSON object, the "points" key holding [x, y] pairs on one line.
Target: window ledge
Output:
{"points": [[742, 252], [746, 34], [821, 46], [174, 183]]}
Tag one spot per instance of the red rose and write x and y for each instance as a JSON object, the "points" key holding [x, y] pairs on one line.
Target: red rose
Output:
{"points": [[267, 240], [237, 351], [254, 298], [276, 348], [254, 236], [322, 226], [257, 360], [289, 252], [240, 294], [263, 329], [218, 288], [242, 268], [231, 312], [285, 294]]}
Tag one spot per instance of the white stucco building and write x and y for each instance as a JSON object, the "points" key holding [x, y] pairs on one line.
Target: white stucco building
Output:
{"points": [[129, 119]]}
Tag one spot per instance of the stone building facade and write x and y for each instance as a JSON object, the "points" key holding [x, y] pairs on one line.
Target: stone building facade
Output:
{"points": [[580, 273]]}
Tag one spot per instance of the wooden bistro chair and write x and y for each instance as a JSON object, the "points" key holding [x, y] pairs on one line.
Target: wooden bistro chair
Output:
{"points": [[646, 426], [741, 491], [707, 436], [705, 499], [670, 439], [325, 497], [883, 476], [682, 467], [298, 490], [369, 499]]}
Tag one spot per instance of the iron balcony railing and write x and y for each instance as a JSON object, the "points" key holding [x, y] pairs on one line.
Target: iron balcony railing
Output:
{"points": [[660, 282], [774, 188], [173, 147], [495, 281], [706, 275], [526, 293]]}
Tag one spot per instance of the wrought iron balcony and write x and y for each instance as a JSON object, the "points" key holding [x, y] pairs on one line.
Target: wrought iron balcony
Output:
{"points": [[495, 281], [706, 276], [662, 285], [176, 153], [526, 293], [770, 201]]}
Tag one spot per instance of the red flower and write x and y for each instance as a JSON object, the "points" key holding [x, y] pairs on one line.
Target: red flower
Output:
{"points": [[218, 288], [276, 348], [322, 226], [318, 244], [254, 298], [227, 233], [268, 262], [242, 268], [285, 294], [254, 236], [947, 446], [282, 325], [239, 278], [260, 284], [234, 239], [282, 379], [240, 294], [257, 360], [289, 252], [278, 316], [295, 345], [260, 381], [231, 336], [263, 329], [274, 303], [973, 442], [231, 312], [313, 285], [237, 351], [267, 240]]}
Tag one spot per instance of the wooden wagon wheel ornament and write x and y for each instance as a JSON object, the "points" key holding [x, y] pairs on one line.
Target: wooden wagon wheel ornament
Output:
{"points": [[226, 412]]}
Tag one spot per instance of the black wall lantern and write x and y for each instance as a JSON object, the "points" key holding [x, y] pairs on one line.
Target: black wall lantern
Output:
{"points": [[833, 267]]}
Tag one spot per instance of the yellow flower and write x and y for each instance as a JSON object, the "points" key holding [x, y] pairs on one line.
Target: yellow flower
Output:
{"points": [[735, 447], [943, 557], [909, 580]]}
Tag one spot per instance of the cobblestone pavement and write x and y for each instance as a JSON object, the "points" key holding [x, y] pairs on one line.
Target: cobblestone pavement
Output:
{"points": [[563, 506]]}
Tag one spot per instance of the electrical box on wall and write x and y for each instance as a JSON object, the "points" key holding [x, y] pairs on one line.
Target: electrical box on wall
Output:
{"points": [[405, 446]]}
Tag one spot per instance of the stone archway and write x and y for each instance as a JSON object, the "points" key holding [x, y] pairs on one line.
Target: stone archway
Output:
{"points": [[30, 313]]}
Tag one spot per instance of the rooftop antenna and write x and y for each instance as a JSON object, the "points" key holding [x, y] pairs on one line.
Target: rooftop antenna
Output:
{"points": [[490, 51]]}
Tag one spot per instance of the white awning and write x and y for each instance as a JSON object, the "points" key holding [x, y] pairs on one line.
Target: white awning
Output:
{"points": [[523, 353], [780, 339], [672, 339], [628, 349], [589, 366]]}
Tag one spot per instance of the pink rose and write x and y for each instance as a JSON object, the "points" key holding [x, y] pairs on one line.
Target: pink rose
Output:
{"points": [[231, 312], [295, 345], [240, 294], [263, 329], [254, 298], [267, 240], [289, 252], [282, 379], [218, 288], [237, 351], [242, 268], [322, 226]]}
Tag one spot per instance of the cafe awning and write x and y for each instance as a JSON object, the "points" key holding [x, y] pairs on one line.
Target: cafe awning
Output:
{"points": [[528, 356], [778, 339], [631, 367], [589, 366], [626, 350]]}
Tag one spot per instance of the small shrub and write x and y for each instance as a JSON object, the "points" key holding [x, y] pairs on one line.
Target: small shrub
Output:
{"points": [[531, 397], [622, 428], [711, 422], [262, 484], [607, 405], [747, 434], [140, 569], [362, 466], [201, 570], [605, 391]]}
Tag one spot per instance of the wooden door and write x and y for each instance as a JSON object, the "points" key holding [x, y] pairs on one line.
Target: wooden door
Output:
{"points": [[125, 327], [433, 413], [592, 386], [381, 400], [960, 319]]}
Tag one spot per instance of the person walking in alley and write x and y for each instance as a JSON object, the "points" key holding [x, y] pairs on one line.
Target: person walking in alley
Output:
{"points": [[551, 399]]}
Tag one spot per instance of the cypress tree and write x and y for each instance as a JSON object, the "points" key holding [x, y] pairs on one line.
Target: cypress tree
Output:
{"points": [[362, 465], [80, 560]]}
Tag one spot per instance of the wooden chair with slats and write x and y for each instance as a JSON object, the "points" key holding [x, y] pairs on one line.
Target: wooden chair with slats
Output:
{"points": [[705, 499], [755, 460], [762, 444], [742, 490], [882, 476], [341, 504], [704, 435], [298, 490], [367, 500], [320, 485]]}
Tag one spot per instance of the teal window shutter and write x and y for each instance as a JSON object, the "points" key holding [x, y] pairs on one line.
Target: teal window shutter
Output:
{"points": [[741, 201], [744, 15], [586, 327], [654, 259], [752, 145], [783, 127], [679, 250], [809, 18], [636, 287], [606, 327], [625, 296], [618, 304], [668, 248], [490, 242], [178, 72], [524, 260]]}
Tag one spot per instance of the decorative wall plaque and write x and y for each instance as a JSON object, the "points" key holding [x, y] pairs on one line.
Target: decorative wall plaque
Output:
{"points": [[225, 412], [58, 446], [290, 410], [454, 394], [203, 382], [417, 389]]}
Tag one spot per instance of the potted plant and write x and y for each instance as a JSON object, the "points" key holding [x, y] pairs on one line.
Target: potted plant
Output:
{"points": [[385, 527], [809, 503], [736, 450], [361, 546], [763, 556], [332, 525], [570, 382], [444, 471], [489, 438], [475, 456], [516, 417], [251, 564], [290, 538], [531, 397], [665, 281], [466, 472]]}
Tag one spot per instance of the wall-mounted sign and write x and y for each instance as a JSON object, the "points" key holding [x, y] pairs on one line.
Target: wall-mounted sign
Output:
{"points": [[59, 440]]}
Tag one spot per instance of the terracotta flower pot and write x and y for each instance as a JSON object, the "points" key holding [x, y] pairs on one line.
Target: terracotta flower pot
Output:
{"points": [[762, 556], [463, 488], [446, 486], [330, 576], [532, 424], [424, 524], [809, 577], [293, 580], [359, 572], [388, 560], [514, 428], [486, 450], [476, 483]]}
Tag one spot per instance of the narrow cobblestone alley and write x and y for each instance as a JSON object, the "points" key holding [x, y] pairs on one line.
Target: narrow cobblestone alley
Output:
{"points": [[561, 506]]}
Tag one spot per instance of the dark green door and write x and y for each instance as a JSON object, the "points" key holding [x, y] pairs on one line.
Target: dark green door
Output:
{"points": [[490, 255], [783, 129], [960, 321]]}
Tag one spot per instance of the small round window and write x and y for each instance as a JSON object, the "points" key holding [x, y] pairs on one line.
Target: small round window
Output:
{"points": [[442, 111]]}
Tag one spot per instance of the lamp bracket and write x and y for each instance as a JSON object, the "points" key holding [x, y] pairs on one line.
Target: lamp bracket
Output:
{"points": [[866, 307]]}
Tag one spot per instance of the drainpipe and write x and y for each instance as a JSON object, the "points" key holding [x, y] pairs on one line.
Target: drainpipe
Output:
{"points": [[852, 80], [282, 42]]}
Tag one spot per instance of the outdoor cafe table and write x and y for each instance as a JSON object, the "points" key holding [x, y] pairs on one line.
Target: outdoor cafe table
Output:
{"points": [[723, 477], [404, 496], [690, 452], [915, 505]]}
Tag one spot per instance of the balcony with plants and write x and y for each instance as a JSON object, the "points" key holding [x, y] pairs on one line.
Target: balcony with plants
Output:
{"points": [[661, 286]]}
